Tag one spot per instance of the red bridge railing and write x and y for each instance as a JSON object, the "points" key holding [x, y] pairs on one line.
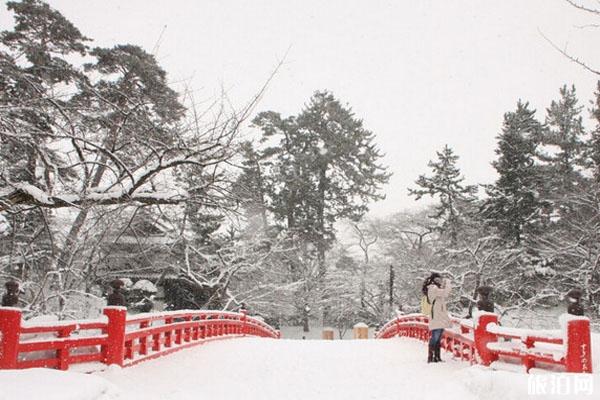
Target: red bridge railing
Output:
{"points": [[116, 338], [483, 341]]}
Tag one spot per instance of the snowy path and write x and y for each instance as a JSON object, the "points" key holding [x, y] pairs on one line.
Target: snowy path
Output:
{"points": [[289, 369], [263, 369]]}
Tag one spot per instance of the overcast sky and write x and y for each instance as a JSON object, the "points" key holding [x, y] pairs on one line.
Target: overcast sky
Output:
{"points": [[420, 74]]}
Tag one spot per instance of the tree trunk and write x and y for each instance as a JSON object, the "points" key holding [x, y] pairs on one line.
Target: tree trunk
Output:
{"points": [[263, 207], [305, 327], [66, 254], [321, 245], [391, 286], [477, 284]]}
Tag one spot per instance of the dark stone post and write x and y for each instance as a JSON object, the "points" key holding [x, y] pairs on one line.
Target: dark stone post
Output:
{"points": [[11, 298], [485, 303], [116, 298], [574, 298]]}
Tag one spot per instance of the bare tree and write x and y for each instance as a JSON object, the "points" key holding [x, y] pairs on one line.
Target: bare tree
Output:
{"points": [[579, 5]]}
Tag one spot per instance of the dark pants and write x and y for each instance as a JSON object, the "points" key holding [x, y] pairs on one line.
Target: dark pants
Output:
{"points": [[436, 337]]}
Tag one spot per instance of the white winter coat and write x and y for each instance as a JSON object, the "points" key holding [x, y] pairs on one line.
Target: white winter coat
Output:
{"points": [[437, 297]]}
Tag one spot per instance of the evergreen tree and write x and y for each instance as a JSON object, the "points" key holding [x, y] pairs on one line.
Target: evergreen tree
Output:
{"points": [[513, 205], [446, 184], [565, 134], [252, 185], [593, 144], [327, 166], [32, 70]]}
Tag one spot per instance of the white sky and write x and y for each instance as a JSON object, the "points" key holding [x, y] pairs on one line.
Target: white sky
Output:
{"points": [[420, 73]]}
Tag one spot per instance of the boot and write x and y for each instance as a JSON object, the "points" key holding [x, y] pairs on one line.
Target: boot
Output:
{"points": [[437, 350], [431, 356]]}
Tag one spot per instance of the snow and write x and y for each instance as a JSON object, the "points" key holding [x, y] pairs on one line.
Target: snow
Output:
{"points": [[316, 333], [4, 225], [126, 282], [52, 320], [11, 308], [262, 369], [34, 192], [291, 369], [47, 384], [68, 198], [563, 319], [555, 350], [524, 333], [477, 314], [145, 286]]}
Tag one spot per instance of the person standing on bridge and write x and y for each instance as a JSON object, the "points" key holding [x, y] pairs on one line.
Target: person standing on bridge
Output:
{"points": [[437, 290]]}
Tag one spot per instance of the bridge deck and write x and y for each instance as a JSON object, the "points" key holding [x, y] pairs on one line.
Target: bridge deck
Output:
{"points": [[263, 369], [266, 369]]}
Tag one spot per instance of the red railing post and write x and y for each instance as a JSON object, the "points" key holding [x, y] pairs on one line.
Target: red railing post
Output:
{"points": [[578, 357], [10, 331], [144, 340], [244, 322], [169, 333], [115, 330], [63, 353], [483, 337]]}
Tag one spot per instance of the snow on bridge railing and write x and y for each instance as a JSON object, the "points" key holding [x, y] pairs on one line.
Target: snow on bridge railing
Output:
{"points": [[116, 338], [483, 341]]}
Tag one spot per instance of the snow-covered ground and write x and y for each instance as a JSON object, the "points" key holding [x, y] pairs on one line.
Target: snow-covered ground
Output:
{"points": [[316, 333], [263, 369], [49, 384]]}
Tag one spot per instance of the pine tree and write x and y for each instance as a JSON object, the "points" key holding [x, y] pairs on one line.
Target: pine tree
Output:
{"points": [[513, 205], [593, 144], [252, 185], [327, 166], [33, 69], [565, 130], [565, 133], [446, 183]]}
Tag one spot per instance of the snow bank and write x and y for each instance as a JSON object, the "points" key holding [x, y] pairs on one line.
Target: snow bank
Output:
{"points": [[47, 384]]}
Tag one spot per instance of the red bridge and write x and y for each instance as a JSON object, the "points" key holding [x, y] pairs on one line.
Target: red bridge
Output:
{"points": [[125, 340]]}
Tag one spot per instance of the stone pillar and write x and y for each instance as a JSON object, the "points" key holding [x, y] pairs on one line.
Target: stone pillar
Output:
{"points": [[11, 298], [574, 298], [485, 303], [116, 298]]}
